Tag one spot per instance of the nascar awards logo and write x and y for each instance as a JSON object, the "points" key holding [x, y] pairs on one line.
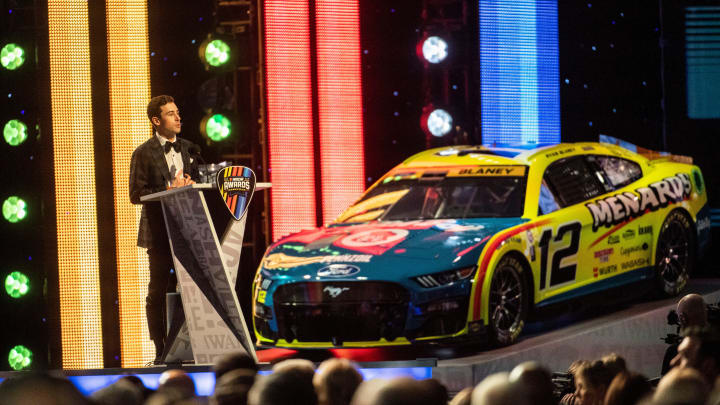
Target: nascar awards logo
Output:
{"points": [[237, 186]]}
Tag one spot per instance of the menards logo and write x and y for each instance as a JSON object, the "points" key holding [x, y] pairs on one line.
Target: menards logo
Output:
{"points": [[619, 207]]}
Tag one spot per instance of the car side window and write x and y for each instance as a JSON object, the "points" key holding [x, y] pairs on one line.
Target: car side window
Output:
{"points": [[547, 202], [572, 180], [619, 172]]}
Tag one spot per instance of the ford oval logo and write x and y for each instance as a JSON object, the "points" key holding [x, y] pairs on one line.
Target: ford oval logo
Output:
{"points": [[338, 270]]}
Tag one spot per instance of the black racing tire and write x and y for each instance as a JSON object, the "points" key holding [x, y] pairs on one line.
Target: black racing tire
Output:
{"points": [[675, 253], [508, 302]]}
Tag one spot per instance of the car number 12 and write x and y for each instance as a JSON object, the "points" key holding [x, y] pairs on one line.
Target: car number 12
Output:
{"points": [[558, 274]]}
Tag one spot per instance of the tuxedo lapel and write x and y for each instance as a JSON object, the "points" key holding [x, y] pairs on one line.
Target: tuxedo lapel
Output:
{"points": [[158, 159], [185, 154]]}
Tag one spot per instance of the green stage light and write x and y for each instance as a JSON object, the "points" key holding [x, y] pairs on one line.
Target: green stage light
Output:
{"points": [[217, 52], [20, 357], [17, 284], [14, 209], [217, 127], [15, 132], [12, 56]]}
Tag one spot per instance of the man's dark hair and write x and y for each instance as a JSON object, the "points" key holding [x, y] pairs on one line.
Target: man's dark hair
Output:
{"points": [[153, 107], [286, 387], [233, 361]]}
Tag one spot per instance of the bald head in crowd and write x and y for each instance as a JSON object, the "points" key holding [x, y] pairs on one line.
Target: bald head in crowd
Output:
{"points": [[692, 311], [682, 386]]}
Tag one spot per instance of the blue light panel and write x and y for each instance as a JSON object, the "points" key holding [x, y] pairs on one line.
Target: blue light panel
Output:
{"points": [[519, 73], [702, 53]]}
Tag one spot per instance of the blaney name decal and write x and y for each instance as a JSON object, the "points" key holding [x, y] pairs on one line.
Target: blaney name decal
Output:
{"points": [[619, 207]]}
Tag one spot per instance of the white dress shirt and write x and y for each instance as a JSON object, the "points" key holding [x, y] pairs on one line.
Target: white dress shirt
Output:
{"points": [[173, 158]]}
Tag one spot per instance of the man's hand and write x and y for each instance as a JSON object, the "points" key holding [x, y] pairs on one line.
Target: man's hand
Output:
{"points": [[181, 181]]}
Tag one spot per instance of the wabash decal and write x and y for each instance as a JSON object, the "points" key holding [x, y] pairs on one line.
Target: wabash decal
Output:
{"points": [[619, 207]]}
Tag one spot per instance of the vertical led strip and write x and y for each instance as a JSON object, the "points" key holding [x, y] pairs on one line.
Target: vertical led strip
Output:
{"points": [[519, 73], [129, 93], [289, 115], [702, 53], [73, 148], [342, 158]]}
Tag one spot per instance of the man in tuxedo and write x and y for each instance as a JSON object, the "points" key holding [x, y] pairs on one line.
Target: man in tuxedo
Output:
{"points": [[161, 163]]}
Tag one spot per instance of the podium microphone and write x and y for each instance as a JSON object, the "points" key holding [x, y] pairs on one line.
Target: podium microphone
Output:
{"points": [[194, 152]]}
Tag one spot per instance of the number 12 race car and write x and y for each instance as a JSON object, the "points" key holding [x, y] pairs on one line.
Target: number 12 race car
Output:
{"points": [[463, 242]]}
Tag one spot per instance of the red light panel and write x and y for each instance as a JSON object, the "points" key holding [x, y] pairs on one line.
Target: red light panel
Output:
{"points": [[342, 158], [289, 115]]}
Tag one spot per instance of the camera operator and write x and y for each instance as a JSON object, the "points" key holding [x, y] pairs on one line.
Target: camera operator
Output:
{"points": [[691, 312]]}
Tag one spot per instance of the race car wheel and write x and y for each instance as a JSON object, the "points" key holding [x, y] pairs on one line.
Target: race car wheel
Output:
{"points": [[507, 305], [674, 254]]}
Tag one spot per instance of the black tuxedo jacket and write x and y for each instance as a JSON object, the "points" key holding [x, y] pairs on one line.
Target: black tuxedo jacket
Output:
{"points": [[149, 174]]}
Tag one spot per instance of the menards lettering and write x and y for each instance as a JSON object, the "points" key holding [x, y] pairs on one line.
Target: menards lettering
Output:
{"points": [[619, 207]]}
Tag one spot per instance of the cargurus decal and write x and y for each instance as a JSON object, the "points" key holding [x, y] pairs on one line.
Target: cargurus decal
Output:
{"points": [[619, 207]]}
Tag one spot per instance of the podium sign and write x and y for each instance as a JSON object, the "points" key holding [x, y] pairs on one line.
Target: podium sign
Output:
{"points": [[206, 268]]}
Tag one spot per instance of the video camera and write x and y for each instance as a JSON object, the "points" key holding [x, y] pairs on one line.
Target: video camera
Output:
{"points": [[563, 383]]}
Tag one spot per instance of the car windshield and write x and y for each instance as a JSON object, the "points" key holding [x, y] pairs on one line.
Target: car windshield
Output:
{"points": [[440, 198]]}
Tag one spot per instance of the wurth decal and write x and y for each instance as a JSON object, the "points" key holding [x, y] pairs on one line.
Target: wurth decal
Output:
{"points": [[620, 207]]}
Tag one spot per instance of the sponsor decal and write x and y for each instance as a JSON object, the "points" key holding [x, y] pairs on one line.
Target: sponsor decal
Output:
{"points": [[373, 237], [605, 270], [265, 283], [613, 239], [338, 270], [282, 261], [604, 255], [488, 171], [261, 296], [334, 292], [703, 224], [639, 262], [236, 185], [620, 207], [626, 251], [559, 152], [643, 230], [628, 234]]}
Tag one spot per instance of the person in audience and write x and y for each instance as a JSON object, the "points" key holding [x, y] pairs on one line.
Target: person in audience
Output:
{"points": [[591, 383], [614, 363], [700, 350], [291, 383], [367, 391], [40, 389], [233, 361], [463, 397], [177, 380], [627, 388], [534, 381], [121, 392], [692, 312], [496, 389], [232, 387], [681, 386], [434, 391], [336, 381]]}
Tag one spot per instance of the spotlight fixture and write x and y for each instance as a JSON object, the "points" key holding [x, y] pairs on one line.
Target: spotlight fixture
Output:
{"points": [[12, 56], [217, 52], [433, 49], [436, 121], [15, 132], [216, 126], [13, 209], [17, 284], [20, 357]]}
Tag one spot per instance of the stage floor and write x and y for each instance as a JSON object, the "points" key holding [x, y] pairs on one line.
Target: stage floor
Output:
{"points": [[633, 331]]}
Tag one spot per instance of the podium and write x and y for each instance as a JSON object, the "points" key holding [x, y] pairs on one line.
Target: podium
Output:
{"points": [[206, 267]]}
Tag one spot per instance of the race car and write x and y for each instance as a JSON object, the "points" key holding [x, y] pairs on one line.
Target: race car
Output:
{"points": [[463, 242]]}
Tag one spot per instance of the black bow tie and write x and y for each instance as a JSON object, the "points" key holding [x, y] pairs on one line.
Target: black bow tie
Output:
{"points": [[173, 145]]}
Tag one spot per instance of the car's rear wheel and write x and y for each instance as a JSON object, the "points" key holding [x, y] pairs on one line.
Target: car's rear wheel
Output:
{"points": [[674, 257], [508, 305]]}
